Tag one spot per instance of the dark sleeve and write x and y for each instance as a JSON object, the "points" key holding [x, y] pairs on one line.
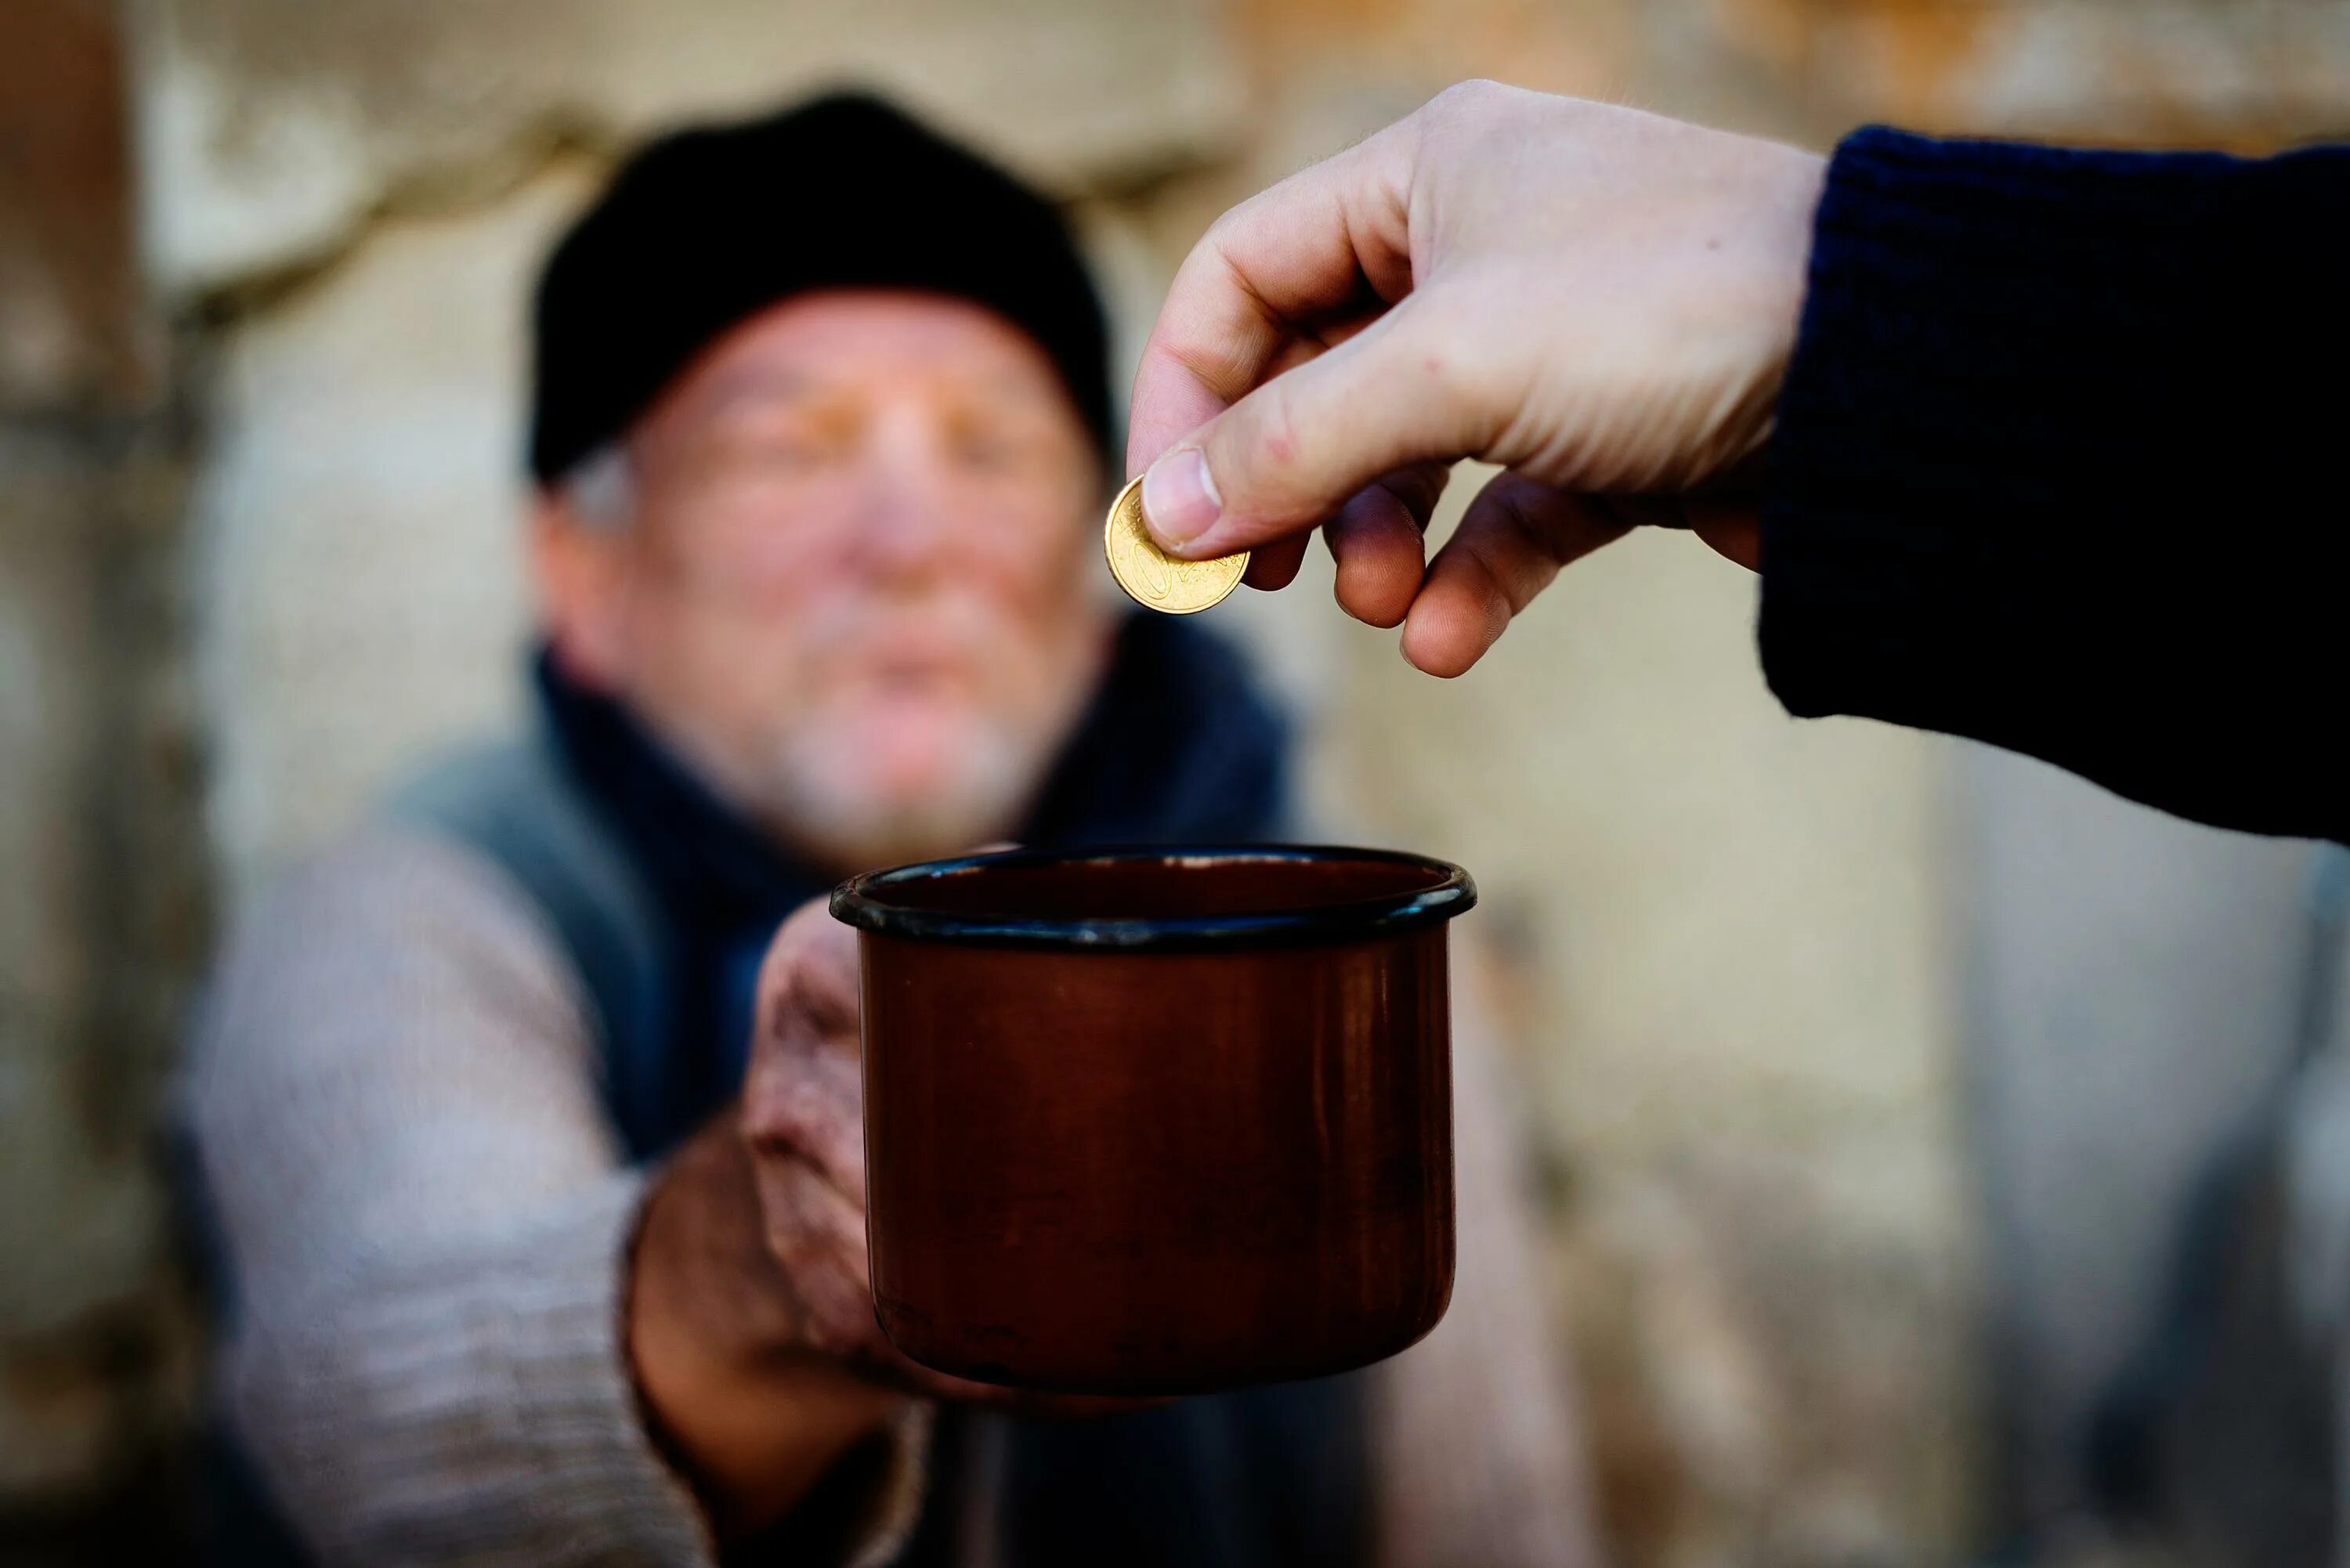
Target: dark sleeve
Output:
{"points": [[2060, 466]]}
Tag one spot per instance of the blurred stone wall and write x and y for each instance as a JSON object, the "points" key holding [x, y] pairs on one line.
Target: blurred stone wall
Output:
{"points": [[102, 865], [1760, 1020]]}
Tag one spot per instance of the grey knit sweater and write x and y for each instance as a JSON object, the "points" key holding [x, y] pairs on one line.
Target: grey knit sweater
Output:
{"points": [[426, 1218]]}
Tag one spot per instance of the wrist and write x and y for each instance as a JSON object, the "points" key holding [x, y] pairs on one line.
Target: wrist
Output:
{"points": [[1786, 226]]}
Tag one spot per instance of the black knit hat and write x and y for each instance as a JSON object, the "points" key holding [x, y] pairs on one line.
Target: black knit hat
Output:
{"points": [[707, 226]]}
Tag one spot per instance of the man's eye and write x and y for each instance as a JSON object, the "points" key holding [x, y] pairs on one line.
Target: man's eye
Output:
{"points": [[796, 454], [996, 453]]}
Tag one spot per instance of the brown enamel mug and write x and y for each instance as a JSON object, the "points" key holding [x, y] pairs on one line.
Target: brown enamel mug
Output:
{"points": [[1158, 1121]]}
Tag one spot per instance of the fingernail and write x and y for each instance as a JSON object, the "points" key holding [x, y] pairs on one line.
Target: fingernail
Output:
{"points": [[1178, 498]]}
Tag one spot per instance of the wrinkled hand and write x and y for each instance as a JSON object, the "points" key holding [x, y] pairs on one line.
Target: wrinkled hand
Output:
{"points": [[1602, 301], [803, 1110], [804, 1121]]}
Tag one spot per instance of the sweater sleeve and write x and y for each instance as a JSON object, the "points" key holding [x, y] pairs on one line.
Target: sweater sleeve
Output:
{"points": [[425, 1218], [2058, 467], [1477, 1435]]}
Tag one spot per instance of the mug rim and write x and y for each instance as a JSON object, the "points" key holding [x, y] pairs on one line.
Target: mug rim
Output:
{"points": [[863, 902]]}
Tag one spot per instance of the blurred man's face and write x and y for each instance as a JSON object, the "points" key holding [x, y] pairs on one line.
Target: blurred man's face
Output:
{"points": [[844, 572]]}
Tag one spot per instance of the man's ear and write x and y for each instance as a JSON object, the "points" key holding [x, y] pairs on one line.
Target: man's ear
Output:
{"points": [[582, 575]]}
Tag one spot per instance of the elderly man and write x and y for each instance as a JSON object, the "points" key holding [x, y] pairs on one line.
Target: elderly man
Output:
{"points": [[540, 1226]]}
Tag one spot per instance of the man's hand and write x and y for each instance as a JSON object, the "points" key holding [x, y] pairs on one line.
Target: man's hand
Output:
{"points": [[804, 1122], [1602, 301], [750, 1326]]}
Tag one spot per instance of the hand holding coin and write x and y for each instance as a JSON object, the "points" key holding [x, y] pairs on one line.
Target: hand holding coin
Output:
{"points": [[1599, 301], [1155, 579]]}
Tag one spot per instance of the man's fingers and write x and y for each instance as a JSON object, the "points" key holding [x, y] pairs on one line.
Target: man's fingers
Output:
{"points": [[1377, 541], [1735, 532], [818, 1242], [804, 1094], [811, 972], [1328, 241], [1381, 557], [817, 1239], [813, 1106], [1511, 542], [1274, 566]]}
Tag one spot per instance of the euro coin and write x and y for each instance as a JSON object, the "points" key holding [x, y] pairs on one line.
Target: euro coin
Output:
{"points": [[1155, 579]]}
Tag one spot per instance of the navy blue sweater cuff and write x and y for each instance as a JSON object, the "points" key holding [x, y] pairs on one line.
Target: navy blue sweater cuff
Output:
{"points": [[2058, 467]]}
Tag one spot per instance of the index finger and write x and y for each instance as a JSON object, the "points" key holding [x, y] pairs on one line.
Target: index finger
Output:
{"points": [[1331, 239], [811, 967]]}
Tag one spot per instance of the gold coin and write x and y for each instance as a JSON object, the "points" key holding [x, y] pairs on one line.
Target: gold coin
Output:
{"points": [[1155, 579]]}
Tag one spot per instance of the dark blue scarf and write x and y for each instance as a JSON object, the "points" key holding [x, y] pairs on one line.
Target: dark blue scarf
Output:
{"points": [[1180, 746]]}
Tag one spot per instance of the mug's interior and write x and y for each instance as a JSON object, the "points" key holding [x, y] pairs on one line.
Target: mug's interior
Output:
{"points": [[1175, 886]]}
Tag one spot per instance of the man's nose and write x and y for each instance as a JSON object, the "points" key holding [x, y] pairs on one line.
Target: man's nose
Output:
{"points": [[901, 527]]}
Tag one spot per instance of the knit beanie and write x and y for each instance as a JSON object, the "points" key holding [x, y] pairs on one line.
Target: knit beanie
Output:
{"points": [[709, 225]]}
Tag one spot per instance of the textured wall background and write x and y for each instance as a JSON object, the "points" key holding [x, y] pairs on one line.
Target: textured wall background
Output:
{"points": [[1784, 1023], [102, 867]]}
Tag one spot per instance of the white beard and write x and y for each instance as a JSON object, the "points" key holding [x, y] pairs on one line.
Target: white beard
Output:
{"points": [[822, 779], [817, 797]]}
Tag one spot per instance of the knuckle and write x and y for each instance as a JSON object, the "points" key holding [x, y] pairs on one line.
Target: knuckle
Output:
{"points": [[775, 969], [1467, 355], [1473, 102], [809, 978], [766, 1118], [1270, 442], [786, 1107], [805, 1111], [1465, 94], [1216, 240]]}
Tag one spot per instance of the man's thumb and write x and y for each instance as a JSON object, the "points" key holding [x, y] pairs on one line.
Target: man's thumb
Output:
{"points": [[1288, 455]]}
